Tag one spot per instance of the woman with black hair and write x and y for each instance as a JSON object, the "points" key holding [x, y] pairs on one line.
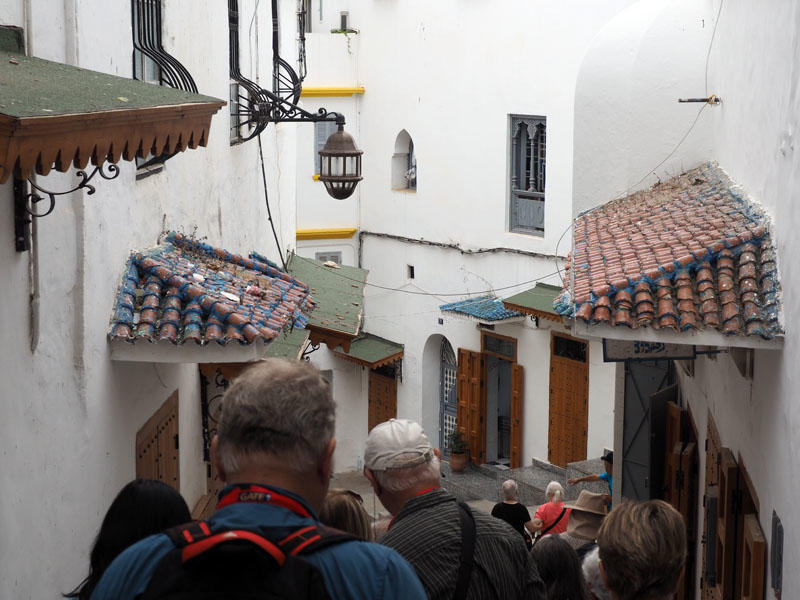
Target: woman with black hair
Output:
{"points": [[560, 569], [142, 508]]}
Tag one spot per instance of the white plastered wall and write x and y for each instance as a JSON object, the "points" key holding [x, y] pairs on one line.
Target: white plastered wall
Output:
{"points": [[755, 69], [67, 438]]}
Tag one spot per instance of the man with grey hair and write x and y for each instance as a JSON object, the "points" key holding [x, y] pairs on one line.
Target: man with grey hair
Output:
{"points": [[512, 512], [274, 448], [457, 552]]}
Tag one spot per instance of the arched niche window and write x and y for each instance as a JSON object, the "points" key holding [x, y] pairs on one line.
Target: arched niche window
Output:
{"points": [[404, 163]]}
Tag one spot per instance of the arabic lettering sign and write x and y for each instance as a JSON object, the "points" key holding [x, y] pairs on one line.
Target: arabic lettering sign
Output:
{"points": [[619, 350]]}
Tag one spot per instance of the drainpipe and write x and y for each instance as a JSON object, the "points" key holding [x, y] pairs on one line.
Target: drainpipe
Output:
{"points": [[33, 254]]}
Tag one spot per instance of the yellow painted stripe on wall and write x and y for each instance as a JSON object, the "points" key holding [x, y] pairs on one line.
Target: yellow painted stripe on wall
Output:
{"points": [[310, 92], [326, 234]]}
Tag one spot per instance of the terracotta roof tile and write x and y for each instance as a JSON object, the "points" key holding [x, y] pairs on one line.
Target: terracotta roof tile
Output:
{"points": [[691, 253], [185, 290]]}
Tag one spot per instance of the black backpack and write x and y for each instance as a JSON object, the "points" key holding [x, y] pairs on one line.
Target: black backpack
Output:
{"points": [[240, 564]]}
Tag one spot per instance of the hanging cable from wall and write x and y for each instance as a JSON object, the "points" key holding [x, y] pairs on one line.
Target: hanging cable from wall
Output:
{"points": [[266, 200]]}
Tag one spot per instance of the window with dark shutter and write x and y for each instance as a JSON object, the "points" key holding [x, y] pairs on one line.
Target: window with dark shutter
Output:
{"points": [[528, 158]]}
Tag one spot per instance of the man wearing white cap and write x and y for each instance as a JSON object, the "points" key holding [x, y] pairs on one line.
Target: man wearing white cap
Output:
{"points": [[456, 552]]}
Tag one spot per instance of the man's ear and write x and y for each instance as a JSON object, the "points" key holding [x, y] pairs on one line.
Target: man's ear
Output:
{"points": [[605, 578], [373, 481], [215, 459], [325, 465]]}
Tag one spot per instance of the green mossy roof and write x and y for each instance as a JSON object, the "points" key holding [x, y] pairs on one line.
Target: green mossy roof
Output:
{"points": [[339, 293], [540, 297], [32, 87], [288, 344], [368, 348]]}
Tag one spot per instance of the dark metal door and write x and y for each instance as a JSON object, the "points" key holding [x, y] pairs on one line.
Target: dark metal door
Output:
{"points": [[642, 416], [448, 397]]}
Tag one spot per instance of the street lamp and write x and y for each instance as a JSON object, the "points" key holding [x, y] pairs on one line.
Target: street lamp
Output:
{"points": [[340, 163], [254, 107]]}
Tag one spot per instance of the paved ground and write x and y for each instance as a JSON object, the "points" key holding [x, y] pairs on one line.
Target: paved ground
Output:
{"points": [[480, 486]]}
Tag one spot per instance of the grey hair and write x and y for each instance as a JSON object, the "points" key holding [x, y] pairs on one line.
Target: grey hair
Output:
{"points": [[510, 489], [592, 575], [276, 408], [554, 492], [402, 478]]}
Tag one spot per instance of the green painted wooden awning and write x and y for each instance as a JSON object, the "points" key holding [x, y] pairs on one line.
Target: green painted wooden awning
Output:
{"points": [[537, 301], [289, 344], [372, 351], [339, 293], [54, 115]]}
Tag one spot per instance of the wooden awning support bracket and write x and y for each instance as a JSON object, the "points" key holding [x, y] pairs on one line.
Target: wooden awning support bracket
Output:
{"points": [[25, 202]]}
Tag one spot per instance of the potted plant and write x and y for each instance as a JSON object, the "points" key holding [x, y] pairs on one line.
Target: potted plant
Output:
{"points": [[459, 451]]}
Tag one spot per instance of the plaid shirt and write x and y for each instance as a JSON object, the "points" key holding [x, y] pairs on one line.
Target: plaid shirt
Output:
{"points": [[427, 533]]}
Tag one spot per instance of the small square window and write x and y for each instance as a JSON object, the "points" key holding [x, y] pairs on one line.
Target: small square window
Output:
{"points": [[410, 271], [329, 256]]}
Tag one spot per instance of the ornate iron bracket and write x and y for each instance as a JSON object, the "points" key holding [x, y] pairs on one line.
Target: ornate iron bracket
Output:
{"points": [[256, 107], [25, 201]]}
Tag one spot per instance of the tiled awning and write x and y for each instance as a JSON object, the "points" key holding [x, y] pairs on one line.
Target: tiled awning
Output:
{"points": [[186, 301], [537, 302], [487, 309], [372, 351], [339, 294], [55, 116], [690, 260]]}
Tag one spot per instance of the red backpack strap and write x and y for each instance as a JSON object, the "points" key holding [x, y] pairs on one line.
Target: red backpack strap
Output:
{"points": [[188, 533], [312, 538], [197, 547]]}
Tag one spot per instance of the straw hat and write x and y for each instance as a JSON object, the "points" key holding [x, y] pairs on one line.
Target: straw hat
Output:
{"points": [[587, 515]]}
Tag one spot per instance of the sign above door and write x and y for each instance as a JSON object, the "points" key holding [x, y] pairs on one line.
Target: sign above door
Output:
{"points": [[621, 350]]}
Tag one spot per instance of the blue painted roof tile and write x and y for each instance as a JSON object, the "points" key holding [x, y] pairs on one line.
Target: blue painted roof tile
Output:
{"points": [[486, 308], [188, 290]]}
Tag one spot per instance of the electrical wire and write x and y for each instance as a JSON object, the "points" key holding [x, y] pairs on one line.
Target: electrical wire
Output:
{"points": [[675, 149], [699, 112], [266, 200], [558, 243], [416, 293]]}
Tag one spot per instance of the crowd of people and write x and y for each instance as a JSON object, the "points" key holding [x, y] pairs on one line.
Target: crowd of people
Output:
{"points": [[279, 531]]}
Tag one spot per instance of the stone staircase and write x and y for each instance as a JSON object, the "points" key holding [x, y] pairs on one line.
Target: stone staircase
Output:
{"points": [[480, 485]]}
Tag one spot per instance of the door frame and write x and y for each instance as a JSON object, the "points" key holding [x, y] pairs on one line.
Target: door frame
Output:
{"points": [[473, 427]]}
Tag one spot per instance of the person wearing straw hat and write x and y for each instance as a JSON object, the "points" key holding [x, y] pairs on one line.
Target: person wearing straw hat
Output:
{"points": [[587, 514]]}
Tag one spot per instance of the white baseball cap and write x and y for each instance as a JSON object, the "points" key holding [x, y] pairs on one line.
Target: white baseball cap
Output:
{"points": [[396, 444]]}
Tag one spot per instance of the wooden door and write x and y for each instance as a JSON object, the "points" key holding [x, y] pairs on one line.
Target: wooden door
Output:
{"points": [[711, 502], [569, 400], [673, 435], [472, 402], [157, 445], [382, 398], [517, 379], [753, 560], [725, 554]]}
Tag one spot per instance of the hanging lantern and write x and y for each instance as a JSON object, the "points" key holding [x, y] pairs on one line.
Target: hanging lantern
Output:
{"points": [[340, 164]]}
